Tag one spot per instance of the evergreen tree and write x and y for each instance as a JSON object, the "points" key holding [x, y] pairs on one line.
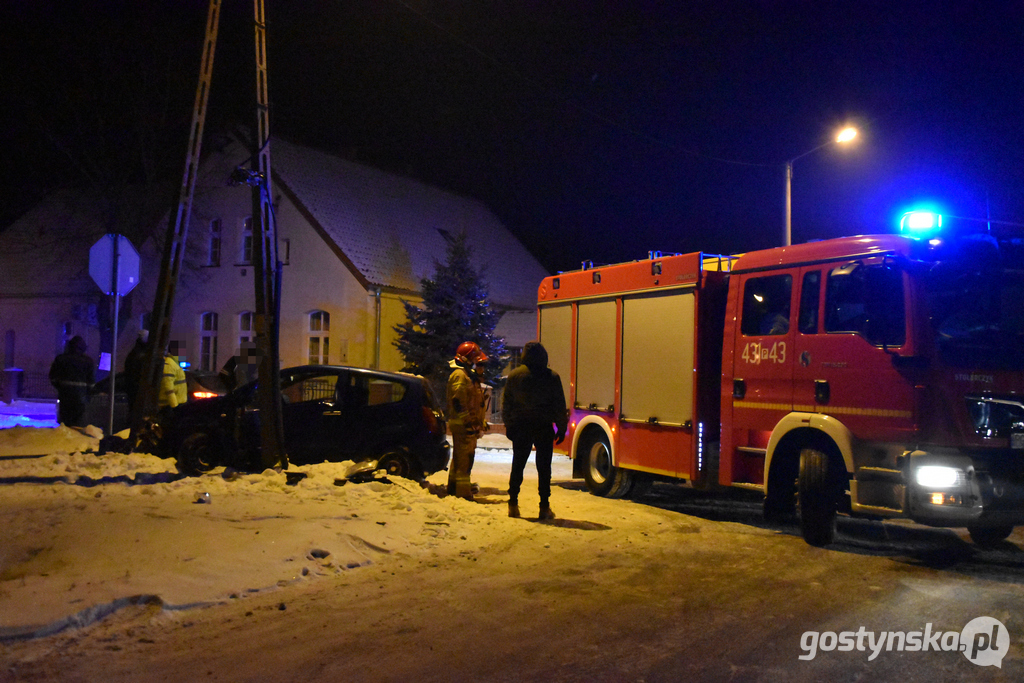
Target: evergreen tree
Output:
{"points": [[455, 309]]}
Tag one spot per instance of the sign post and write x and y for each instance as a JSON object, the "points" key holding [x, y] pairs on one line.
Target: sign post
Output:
{"points": [[114, 266]]}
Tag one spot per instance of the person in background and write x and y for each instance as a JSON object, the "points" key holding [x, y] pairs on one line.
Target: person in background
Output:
{"points": [[133, 367], [173, 386], [533, 410], [72, 374], [465, 416], [242, 368]]}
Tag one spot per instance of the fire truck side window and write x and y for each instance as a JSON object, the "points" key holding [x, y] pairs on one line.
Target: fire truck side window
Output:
{"points": [[766, 303], [867, 300], [810, 295]]}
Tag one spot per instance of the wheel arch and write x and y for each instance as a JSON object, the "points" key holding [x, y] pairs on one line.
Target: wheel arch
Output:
{"points": [[801, 430], [587, 426]]}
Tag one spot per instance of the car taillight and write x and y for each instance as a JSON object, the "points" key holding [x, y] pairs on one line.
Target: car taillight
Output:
{"points": [[203, 394], [430, 419]]}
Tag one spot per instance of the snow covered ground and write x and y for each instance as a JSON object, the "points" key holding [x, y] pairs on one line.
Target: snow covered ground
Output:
{"points": [[111, 569], [87, 533]]}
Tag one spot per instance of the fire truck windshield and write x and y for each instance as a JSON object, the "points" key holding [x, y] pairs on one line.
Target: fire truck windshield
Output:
{"points": [[976, 302]]}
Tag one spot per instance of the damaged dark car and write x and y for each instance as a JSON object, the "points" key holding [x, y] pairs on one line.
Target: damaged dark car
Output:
{"points": [[330, 414]]}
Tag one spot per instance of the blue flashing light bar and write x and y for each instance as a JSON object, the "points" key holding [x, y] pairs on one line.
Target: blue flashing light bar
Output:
{"points": [[920, 222]]}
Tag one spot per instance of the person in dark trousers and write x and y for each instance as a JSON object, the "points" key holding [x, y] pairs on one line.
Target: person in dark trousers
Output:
{"points": [[533, 409], [72, 374], [133, 367]]}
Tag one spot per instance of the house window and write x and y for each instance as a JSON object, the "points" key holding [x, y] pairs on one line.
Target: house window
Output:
{"points": [[208, 342], [247, 240], [213, 257], [246, 329], [319, 340]]}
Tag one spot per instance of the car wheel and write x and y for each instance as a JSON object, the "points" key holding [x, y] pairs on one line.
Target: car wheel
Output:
{"points": [[197, 454], [603, 478], [399, 464], [987, 536], [817, 498]]}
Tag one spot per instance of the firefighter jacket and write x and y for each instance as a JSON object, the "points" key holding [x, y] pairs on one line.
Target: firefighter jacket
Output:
{"points": [[533, 398], [73, 372], [173, 387], [465, 400]]}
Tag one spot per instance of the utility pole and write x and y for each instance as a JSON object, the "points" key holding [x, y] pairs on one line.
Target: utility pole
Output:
{"points": [[174, 246], [266, 266]]}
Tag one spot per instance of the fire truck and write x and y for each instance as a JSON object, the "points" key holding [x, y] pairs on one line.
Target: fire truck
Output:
{"points": [[875, 376]]}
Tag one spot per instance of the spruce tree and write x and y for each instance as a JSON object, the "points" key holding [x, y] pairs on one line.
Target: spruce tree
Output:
{"points": [[455, 309]]}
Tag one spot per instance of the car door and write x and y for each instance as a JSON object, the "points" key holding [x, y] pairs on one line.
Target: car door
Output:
{"points": [[382, 420], [316, 422]]}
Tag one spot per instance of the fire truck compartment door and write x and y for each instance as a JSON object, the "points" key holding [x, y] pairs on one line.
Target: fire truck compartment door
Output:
{"points": [[595, 355], [657, 358], [556, 336]]}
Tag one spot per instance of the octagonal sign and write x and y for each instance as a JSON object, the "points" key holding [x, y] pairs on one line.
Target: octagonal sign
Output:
{"points": [[114, 264]]}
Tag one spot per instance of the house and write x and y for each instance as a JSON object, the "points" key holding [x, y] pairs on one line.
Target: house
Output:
{"points": [[355, 242]]}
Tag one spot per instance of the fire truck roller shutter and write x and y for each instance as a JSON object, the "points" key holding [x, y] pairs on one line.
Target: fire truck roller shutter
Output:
{"points": [[595, 355], [556, 336], [657, 358]]}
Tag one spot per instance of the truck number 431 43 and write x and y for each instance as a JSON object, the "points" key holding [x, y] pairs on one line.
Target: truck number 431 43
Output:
{"points": [[756, 353]]}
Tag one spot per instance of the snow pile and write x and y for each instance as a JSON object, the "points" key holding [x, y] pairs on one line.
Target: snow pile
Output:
{"points": [[84, 533], [34, 441]]}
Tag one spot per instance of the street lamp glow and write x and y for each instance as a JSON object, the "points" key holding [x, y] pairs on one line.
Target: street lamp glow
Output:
{"points": [[842, 137]]}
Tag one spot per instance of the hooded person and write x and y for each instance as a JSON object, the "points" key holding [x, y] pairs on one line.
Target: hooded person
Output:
{"points": [[133, 369], [73, 374], [465, 415], [534, 413]]}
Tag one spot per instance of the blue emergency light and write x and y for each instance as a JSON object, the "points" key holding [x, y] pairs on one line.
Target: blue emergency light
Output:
{"points": [[921, 223]]}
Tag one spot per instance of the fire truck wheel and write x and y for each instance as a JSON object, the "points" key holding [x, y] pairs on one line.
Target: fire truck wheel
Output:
{"points": [[987, 536], [817, 498], [603, 478]]}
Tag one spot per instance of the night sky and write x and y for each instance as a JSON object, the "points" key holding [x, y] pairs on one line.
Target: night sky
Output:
{"points": [[595, 130]]}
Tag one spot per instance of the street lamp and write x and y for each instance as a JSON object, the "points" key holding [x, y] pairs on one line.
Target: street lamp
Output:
{"points": [[845, 135]]}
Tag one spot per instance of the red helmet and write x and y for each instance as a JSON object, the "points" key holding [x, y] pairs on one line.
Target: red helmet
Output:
{"points": [[470, 354]]}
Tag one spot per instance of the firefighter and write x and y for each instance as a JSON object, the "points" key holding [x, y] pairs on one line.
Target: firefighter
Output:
{"points": [[465, 415], [533, 410], [72, 374]]}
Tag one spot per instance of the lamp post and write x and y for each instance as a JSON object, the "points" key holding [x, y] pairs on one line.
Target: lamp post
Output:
{"points": [[845, 135]]}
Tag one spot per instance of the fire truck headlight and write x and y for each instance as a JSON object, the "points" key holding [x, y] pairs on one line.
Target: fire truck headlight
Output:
{"points": [[939, 477]]}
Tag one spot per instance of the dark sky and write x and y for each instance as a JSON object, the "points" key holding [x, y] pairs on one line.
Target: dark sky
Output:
{"points": [[595, 130]]}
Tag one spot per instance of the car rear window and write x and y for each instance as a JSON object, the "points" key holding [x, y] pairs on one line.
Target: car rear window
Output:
{"points": [[385, 391]]}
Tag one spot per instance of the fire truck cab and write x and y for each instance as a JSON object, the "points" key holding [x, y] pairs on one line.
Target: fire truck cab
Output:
{"points": [[878, 376]]}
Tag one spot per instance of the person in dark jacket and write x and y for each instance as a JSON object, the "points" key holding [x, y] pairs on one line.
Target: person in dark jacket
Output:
{"points": [[133, 369], [533, 409], [72, 374]]}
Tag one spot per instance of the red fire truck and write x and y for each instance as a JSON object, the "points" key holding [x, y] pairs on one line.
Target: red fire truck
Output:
{"points": [[878, 376]]}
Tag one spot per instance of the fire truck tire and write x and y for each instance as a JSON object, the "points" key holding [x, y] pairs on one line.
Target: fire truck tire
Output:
{"points": [[603, 478], [817, 498], [987, 536]]}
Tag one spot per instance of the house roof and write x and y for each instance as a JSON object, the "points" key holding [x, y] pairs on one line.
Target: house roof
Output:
{"points": [[517, 328], [392, 229]]}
